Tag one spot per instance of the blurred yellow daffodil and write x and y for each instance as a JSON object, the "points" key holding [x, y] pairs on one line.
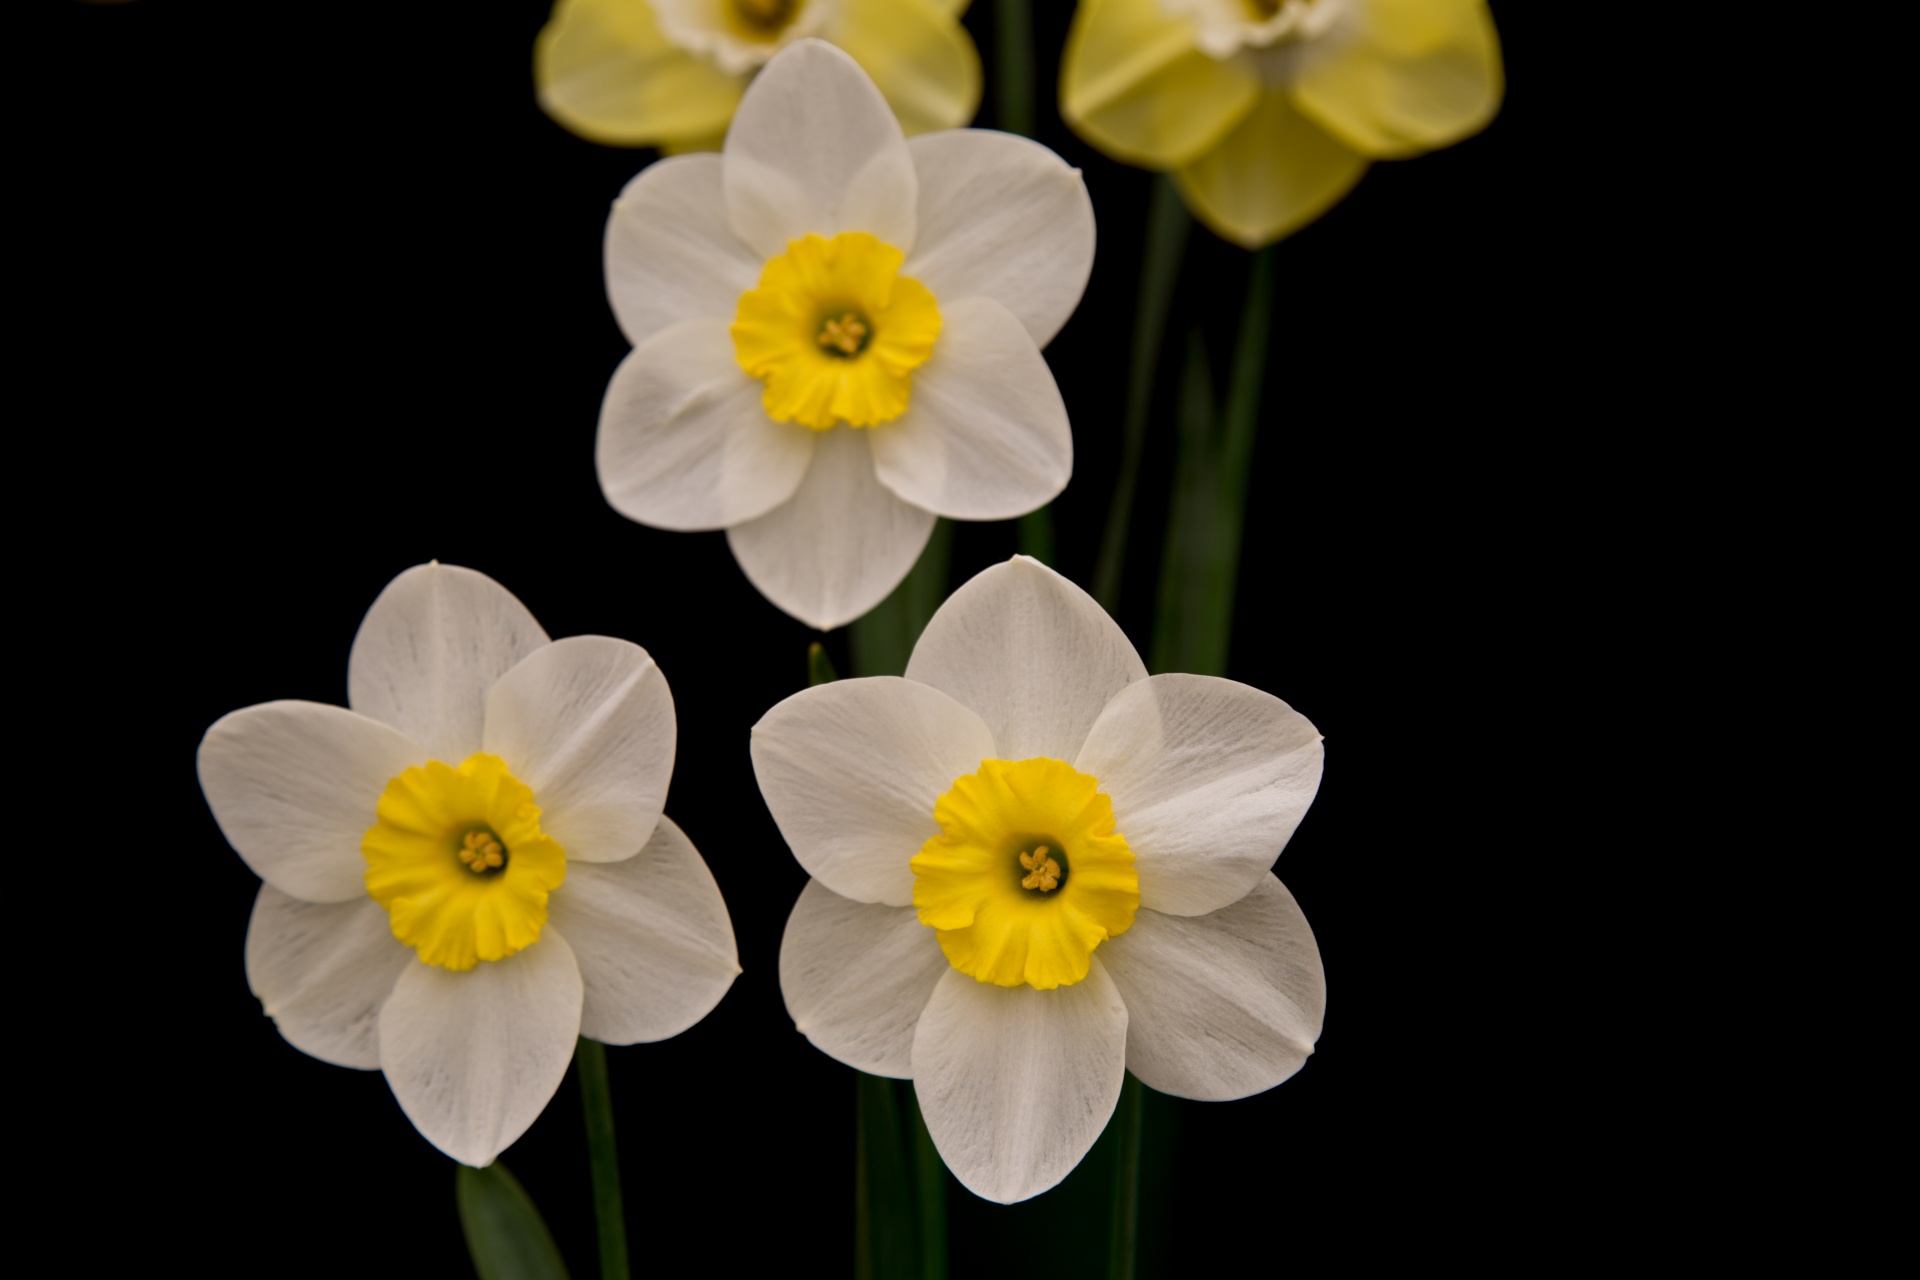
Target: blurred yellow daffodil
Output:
{"points": [[1268, 111], [669, 73]]}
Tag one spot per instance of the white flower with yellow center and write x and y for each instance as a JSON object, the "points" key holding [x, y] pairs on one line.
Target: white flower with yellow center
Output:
{"points": [[837, 335], [1268, 111], [670, 73], [1036, 868], [471, 868]]}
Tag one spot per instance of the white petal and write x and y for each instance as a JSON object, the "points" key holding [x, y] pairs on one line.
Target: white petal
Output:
{"points": [[851, 771], [295, 786], [670, 254], [684, 442], [473, 1057], [856, 976], [1224, 1005], [1209, 778], [430, 648], [322, 970], [840, 545], [1015, 1083], [1005, 218], [1029, 651], [814, 149], [985, 434], [587, 722], [652, 937]]}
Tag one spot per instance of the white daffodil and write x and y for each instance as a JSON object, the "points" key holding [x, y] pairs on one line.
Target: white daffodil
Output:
{"points": [[1035, 868], [471, 868], [837, 335]]}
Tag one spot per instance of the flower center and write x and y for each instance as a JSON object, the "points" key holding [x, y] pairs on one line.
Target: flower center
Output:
{"points": [[1224, 27], [482, 852], [835, 331], [762, 19], [458, 859], [846, 335], [1027, 875], [1043, 873]]}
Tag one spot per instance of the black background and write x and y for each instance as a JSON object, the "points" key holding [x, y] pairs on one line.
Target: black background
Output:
{"points": [[330, 304]]}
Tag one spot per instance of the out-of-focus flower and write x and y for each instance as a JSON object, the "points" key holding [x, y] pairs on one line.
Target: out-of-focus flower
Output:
{"points": [[471, 868], [669, 73], [837, 335], [1268, 111], [1035, 868]]}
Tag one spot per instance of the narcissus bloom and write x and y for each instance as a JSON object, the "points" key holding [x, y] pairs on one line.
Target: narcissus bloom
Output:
{"points": [[669, 73], [471, 868], [1268, 111], [1035, 868], [837, 335]]}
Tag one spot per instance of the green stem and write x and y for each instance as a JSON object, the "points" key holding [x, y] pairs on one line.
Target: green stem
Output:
{"points": [[1123, 1245], [1236, 451], [1201, 565], [1013, 113], [819, 665], [603, 1158], [1013, 58], [884, 1225], [1180, 618], [1036, 535], [883, 639], [930, 1178], [1167, 225]]}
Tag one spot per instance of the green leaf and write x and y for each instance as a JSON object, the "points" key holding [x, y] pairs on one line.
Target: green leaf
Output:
{"points": [[505, 1234]]}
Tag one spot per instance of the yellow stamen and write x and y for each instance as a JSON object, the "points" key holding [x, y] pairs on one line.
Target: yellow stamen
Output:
{"points": [[845, 335], [481, 852], [1046, 872]]}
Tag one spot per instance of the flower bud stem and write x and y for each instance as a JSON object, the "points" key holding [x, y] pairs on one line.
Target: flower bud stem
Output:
{"points": [[603, 1159]]}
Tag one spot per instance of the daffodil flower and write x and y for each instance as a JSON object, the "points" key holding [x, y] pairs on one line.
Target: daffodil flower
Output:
{"points": [[837, 335], [1035, 867], [1268, 111], [471, 868], [669, 73]]}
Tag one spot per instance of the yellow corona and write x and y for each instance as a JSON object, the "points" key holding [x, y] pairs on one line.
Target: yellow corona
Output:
{"points": [[1027, 875], [835, 332], [460, 863]]}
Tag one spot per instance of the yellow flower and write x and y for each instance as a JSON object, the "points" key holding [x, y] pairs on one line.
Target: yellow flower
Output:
{"points": [[1268, 111], [669, 73]]}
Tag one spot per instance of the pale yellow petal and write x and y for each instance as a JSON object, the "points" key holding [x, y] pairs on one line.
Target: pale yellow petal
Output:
{"points": [[919, 55], [681, 146], [1134, 85], [1417, 74], [1274, 174], [602, 69]]}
